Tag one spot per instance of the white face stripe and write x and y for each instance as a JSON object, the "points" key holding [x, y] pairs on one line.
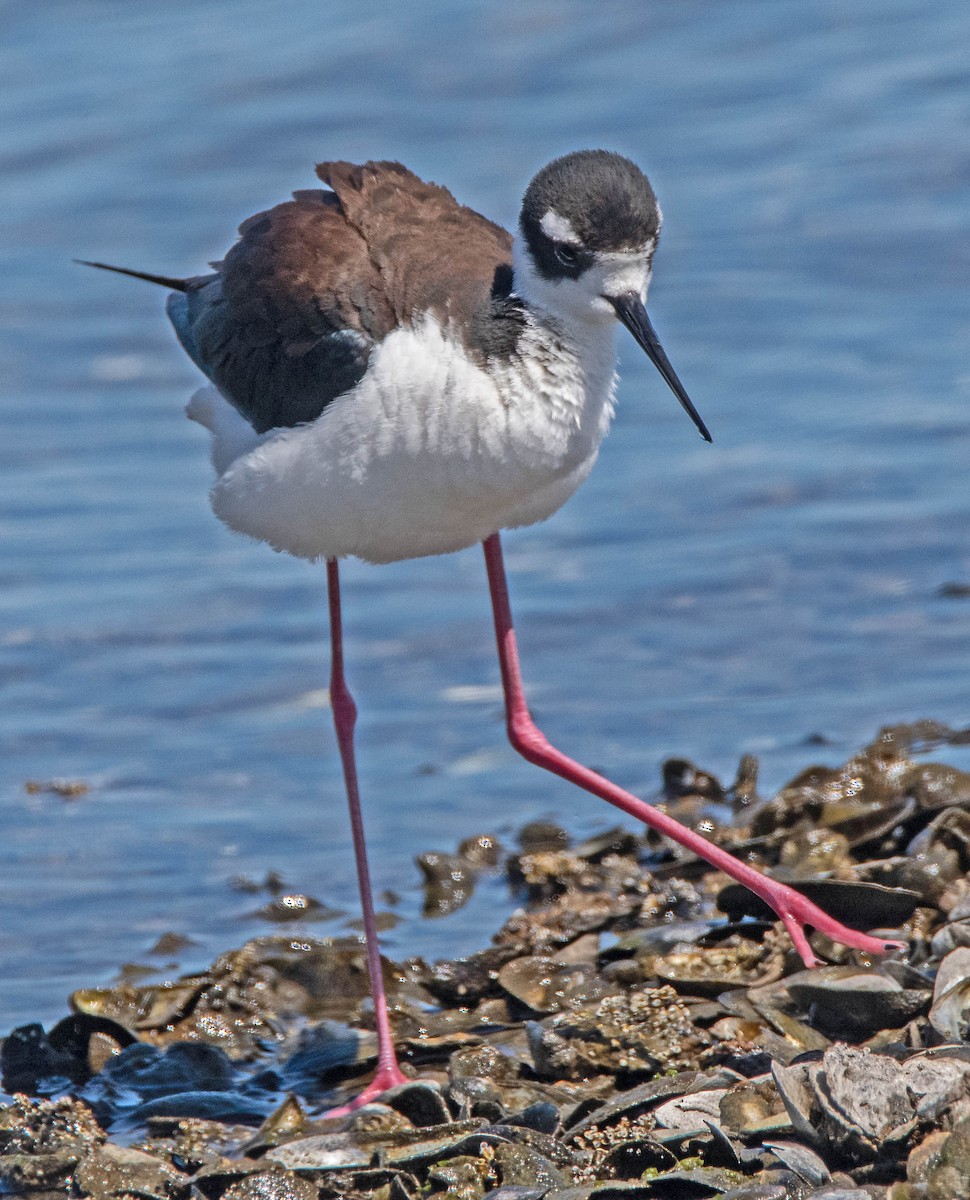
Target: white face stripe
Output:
{"points": [[580, 303], [625, 258], [559, 229]]}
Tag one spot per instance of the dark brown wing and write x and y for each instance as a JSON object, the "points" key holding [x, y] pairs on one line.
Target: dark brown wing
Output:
{"points": [[289, 320], [432, 253]]}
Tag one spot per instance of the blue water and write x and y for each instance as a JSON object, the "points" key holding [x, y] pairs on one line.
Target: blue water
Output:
{"points": [[813, 164]]}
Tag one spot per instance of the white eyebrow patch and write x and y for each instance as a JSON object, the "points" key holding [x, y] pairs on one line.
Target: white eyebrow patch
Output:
{"points": [[558, 228]]}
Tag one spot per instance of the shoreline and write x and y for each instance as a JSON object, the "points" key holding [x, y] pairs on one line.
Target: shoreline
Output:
{"points": [[617, 1035]]}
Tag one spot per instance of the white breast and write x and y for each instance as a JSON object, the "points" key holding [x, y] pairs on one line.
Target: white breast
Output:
{"points": [[427, 454]]}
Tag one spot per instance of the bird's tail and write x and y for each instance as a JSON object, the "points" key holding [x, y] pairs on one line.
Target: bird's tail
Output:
{"points": [[176, 285]]}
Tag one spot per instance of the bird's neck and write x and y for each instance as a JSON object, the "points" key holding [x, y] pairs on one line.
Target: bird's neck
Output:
{"points": [[588, 336]]}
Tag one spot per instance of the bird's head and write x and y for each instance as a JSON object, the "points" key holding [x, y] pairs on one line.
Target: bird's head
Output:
{"points": [[587, 234]]}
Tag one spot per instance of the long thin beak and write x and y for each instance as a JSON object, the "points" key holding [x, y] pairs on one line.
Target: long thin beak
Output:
{"points": [[630, 310]]}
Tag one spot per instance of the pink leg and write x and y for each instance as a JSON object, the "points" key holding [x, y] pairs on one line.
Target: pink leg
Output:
{"points": [[794, 910], [344, 717]]}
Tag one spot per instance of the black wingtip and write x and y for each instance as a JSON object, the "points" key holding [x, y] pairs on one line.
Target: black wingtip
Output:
{"points": [[166, 281]]}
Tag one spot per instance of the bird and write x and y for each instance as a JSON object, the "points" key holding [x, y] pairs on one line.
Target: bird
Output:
{"points": [[392, 375]]}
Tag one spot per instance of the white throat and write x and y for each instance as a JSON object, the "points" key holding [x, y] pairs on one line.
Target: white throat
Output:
{"points": [[568, 359], [579, 306], [569, 315]]}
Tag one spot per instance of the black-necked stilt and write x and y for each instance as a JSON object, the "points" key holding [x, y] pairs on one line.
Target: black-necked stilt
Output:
{"points": [[393, 376]]}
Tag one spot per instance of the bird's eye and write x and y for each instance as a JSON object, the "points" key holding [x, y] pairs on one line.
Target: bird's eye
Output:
{"points": [[566, 254]]}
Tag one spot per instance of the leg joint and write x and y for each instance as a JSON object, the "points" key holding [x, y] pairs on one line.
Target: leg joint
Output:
{"points": [[342, 703], [527, 738]]}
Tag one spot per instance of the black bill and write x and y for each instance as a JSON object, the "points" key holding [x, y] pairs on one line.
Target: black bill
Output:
{"points": [[630, 310]]}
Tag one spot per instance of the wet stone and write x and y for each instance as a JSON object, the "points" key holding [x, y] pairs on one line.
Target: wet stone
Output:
{"points": [[936, 785], [682, 778], [839, 1192], [950, 1013], [629, 1104], [285, 1122], [692, 1111], [42, 1141], [544, 874], [612, 843], [547, 985], [860, 1104], [858, 905], [946, 1174], [632, 1158], [542, 1116], [643, 1032], [558, 923], [170, 944], [28, 1060], [855, 1003], [271, 1185], [540, 836], [709, 970], [201, 1147], [516, 1192], [482, 850], [416, 1156], [760, 1191], [375, 1120], [939, 855], [463, 1178], [39, 1171], [522, 1166], [803, 1161], [321, 1152], [469, 980], [614, 1041], [296, 906], [118, 1171], [421, 1103], [449, 881], [814, 850], [699, 1181], [482, 1062]]}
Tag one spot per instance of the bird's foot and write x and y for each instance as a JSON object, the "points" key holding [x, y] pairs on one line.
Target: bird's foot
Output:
{"points": [[388, 1076], [795, 911]]}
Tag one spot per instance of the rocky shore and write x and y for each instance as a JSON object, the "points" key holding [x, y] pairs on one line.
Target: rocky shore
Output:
{"points": [[635, 1030]]}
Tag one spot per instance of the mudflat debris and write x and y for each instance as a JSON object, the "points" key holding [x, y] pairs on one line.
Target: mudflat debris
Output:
{"points": [[636, 1030]]}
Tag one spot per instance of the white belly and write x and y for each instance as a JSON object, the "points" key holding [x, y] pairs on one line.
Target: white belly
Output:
{"points": [[426, 455]]}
